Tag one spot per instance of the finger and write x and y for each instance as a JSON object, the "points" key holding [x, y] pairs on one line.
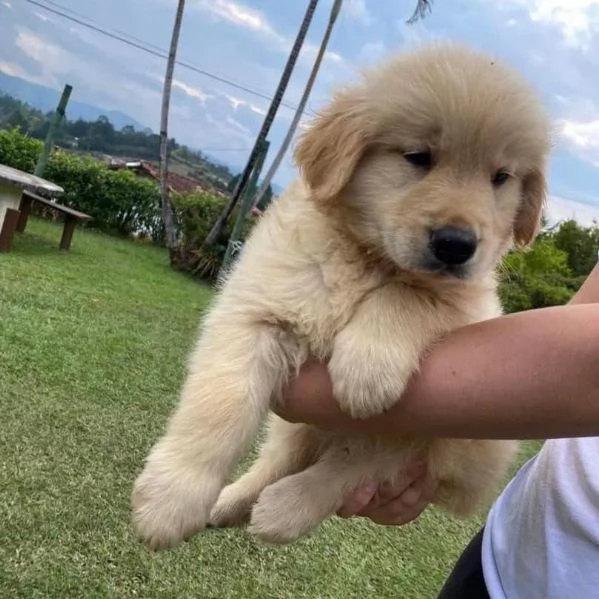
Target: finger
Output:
{"points": [[400, 510], [358, 500], [404, 508], [388, 491], [400, 517]]}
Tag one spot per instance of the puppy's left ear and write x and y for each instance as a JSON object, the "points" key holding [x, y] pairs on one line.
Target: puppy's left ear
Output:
{"points": [[328, 151], [528, 219]]}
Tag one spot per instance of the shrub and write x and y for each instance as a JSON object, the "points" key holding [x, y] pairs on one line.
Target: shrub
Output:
{"points": [[196, 213], [18, 150], [537, 278], [120, 202]]}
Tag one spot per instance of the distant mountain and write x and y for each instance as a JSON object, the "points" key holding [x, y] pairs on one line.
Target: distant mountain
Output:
{"points": [[46, 99], [277, 189], [236, 168]]}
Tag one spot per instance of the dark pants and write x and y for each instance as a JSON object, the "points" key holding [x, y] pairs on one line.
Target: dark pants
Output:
{"points": [[466, 581]]}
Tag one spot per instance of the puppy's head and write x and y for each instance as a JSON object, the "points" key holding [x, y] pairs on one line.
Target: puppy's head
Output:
{"points": [[435, 160]]}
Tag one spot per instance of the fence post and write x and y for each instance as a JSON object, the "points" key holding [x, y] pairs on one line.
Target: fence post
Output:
{"points": [[244, 207], [56, 118]]}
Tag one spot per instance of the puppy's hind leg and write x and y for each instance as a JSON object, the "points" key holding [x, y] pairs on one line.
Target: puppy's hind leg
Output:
{"points": [[296, 504], [233, 373], [288, 449]]}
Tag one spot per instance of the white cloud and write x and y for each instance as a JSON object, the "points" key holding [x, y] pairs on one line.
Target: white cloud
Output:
{"points": [[372, 52], [193, 92], [7, 4], [255, 21], [236, 102], [257, 110], [577, 19], [242, 16], [565, 209], [582, 137], [15, 70], [356, 9], [40, 50], [585, 135], [238, 125]]}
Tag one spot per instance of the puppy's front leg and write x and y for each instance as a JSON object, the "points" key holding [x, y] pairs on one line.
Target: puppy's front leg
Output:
{"points": [[233, 374], [375, 355]]}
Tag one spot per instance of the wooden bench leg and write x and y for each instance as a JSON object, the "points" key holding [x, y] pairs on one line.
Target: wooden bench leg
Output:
{"points": [[67, 233], [9, 227], [25, 209]]}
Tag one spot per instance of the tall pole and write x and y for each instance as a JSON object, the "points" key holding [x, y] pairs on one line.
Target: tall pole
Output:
{"points": [[168, 219], [265, 129], [244, 207], [54, 123], [300, 109]]}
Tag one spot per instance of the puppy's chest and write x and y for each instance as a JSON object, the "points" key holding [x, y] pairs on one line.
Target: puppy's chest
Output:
{"points": [[324, 301]]}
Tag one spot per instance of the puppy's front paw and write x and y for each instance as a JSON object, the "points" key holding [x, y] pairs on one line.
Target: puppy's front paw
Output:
{"points": [[170, 505], [367, 380]]}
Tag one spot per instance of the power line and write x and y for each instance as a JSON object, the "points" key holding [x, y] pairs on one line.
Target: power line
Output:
{"points": [[147, 47], [225, 149]]}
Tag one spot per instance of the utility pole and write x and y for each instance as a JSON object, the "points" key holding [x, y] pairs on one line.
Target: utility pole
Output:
{"points": [[54, 123], [244, 207], [266, 125], [167, 208], [300, 109]]}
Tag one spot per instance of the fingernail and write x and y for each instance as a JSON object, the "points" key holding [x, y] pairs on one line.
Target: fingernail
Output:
{"points": [[410, 497], [364, 493], [416, 469], [369, 489], [386, 487]]}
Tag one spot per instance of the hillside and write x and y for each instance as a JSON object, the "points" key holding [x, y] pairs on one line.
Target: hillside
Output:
{"points": [[45, 99], [105, 134], [105, 141]]}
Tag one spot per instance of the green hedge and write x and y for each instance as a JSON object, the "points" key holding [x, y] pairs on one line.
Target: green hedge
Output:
{"points": [[195, 214], [120, 202]]}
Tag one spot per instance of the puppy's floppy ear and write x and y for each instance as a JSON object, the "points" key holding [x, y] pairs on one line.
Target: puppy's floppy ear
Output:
{"points": [[528, 219], [329, 150]]}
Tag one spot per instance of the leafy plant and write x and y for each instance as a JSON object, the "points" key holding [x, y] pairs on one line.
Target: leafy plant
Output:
{"points": [[195, 214], [120, 202]]}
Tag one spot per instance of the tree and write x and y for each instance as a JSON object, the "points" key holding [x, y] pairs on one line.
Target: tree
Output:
{"points": [[580, 244], [218, 226], [537, 278], [422, 8], [170, 234]]}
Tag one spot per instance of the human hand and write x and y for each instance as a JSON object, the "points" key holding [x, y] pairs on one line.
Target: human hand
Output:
{"points": [[392, 505]]}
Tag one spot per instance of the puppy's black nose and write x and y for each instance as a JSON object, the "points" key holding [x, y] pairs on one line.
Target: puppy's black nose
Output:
{"points": [[453, 245]]}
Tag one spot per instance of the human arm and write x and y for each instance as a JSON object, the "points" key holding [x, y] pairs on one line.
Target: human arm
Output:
{"points": [[310, 399], [588, 293], [530, 375]]}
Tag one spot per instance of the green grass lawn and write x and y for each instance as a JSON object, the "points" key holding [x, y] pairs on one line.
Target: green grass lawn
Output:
{"points": [[92, 352]]}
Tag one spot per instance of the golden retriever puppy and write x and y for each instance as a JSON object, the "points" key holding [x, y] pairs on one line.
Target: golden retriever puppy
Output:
{"points": [[414, 183]]}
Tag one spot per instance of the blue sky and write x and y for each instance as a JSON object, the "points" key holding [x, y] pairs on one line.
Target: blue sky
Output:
{"points": [[553, 43]]}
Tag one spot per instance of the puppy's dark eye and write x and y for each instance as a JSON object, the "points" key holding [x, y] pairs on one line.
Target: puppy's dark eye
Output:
{"points": [[499, 178], [422, 160]]}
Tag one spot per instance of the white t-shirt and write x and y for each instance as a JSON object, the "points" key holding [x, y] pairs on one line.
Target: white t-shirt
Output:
{"points": [[541, 540]]}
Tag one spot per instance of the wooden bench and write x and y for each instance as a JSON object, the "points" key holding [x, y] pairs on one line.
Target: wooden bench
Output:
{"points": [[71, 216]]}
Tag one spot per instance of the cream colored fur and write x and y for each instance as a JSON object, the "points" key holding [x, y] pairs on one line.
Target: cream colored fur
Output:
{"points": [[337, 269]]}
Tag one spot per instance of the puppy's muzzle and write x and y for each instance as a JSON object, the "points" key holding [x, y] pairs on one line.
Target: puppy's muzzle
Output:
{"points": [[452, 246]]}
